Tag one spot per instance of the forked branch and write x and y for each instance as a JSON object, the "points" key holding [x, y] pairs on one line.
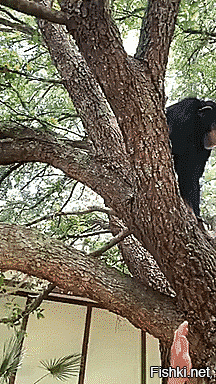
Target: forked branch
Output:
{"points": [[34, 9]]}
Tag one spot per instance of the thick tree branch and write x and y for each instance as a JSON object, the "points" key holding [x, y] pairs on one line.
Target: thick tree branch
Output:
{"points": [[136, 115], [34, 9], [87, 97], [156, 36], [19, 144], [130, 89], [95, 34], [37, 255], [146, 183], [138, 200], [133, 119], [118, 75], [129, 161], [189, 253], [140, 262]]}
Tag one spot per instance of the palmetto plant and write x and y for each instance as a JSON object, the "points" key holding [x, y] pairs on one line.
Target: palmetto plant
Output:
{"points": [[11, 359], [59, 368], [62, 368]]}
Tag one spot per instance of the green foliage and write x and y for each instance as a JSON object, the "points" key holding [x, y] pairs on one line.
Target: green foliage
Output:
{"points": [[30, 88], [34, 190], [113, 259], [31, 93], [2, 280], [29, 191], [191, 66], [62, 368], [39, 313], [128, 14], [11, 359], [15, 311]]}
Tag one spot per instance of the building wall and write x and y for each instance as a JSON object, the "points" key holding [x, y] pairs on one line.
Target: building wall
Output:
{"points": [[59, 334], [152, 358], [114, 352]]}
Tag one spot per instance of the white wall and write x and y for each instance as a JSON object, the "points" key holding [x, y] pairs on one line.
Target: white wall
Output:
{"points": [[59, 334], [114, 353], [152, 358]]}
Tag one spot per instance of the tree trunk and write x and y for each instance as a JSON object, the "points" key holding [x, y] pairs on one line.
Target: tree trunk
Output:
{"points": [[127, 161]]}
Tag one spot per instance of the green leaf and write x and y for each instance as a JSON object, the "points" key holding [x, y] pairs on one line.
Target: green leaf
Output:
{"points": [[64, 367], [11, 358]]}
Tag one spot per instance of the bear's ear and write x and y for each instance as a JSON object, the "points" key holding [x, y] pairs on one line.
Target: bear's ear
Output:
{"points": [[201, 111]]}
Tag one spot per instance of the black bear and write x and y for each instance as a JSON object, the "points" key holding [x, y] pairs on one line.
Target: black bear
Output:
{"points": [[192, 129]]}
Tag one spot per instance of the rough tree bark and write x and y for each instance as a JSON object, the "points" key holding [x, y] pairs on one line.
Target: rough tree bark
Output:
{"points": [[127, 161]]}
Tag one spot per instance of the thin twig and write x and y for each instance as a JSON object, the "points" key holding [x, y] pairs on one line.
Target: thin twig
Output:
{"points": [[7, 70], [34, 305], [84, 212], [9, 171], [115, 240]]}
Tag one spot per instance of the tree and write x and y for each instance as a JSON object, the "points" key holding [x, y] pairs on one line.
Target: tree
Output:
{"points": [[125, 158]]}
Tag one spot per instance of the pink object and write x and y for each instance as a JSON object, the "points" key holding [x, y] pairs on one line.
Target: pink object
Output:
{"points": [[180, 353]]}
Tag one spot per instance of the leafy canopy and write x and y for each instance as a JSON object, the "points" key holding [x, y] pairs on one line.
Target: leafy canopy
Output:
{"points": [[31, 92]]}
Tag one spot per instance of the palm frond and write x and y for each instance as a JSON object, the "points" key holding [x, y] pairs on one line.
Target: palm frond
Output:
{"points": [[11, 358], [63, 367]]}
